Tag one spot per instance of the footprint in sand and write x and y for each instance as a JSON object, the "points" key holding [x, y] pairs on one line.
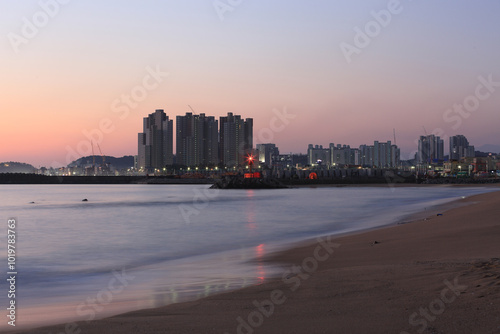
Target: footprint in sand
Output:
{"points": [[487, 277]]}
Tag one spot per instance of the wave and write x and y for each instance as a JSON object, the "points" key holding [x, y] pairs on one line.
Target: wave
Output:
{"points": [[114, 204]]}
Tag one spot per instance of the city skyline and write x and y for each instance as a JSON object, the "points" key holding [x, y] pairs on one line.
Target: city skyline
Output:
{"points": [[201, 143], [200, 129], [68, 79]]}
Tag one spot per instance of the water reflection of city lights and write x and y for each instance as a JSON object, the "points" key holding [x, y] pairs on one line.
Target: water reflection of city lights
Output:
{"points": [[250, 212]]}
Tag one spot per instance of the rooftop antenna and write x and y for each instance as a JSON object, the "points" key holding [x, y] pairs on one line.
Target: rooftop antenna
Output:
{"points": [[425, 130], [394, 131]]}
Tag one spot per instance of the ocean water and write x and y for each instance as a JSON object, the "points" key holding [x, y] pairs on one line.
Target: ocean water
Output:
{"points": [[132, 247]]}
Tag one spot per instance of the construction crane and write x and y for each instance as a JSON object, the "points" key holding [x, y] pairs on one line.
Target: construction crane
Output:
{"points": [[93, 158], [191, 109], [104, 167], [102, 155], [394, 131], [93, 155]]}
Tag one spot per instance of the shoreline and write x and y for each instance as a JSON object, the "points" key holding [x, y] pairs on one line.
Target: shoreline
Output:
{"points": [[378, 180], [241, 301]]}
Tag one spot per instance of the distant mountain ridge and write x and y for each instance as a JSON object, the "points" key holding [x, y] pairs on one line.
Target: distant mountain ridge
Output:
{"points": [[119, 163], [489, 148]]}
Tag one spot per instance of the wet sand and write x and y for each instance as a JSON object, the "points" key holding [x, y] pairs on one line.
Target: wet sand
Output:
{"points": [[435, 275]]}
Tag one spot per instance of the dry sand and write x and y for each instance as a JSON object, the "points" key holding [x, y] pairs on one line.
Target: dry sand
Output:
{"points": [[440, 275]]}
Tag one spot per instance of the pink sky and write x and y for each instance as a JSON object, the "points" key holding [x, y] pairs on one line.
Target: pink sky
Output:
{"points": [[261, 57]]}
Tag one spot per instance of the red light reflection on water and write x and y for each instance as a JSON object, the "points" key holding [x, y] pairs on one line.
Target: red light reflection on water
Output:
{"points": [[261, 273], [252, 226]]}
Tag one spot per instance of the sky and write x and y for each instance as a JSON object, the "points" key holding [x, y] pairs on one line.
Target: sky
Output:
{"points": [[307, 72]]}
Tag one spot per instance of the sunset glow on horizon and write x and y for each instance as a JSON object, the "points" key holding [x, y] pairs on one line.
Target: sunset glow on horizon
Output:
{"points": [[94, 70]]}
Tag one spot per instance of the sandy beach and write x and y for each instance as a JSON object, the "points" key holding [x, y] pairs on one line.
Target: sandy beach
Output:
{"points": [[440, 274]]}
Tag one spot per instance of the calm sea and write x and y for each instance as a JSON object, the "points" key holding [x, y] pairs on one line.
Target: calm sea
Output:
{"points": [[139, 246]]}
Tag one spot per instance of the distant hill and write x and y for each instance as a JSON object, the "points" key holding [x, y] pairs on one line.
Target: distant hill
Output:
{"points": [[489, 148], [16, 167], [119, 163]]}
